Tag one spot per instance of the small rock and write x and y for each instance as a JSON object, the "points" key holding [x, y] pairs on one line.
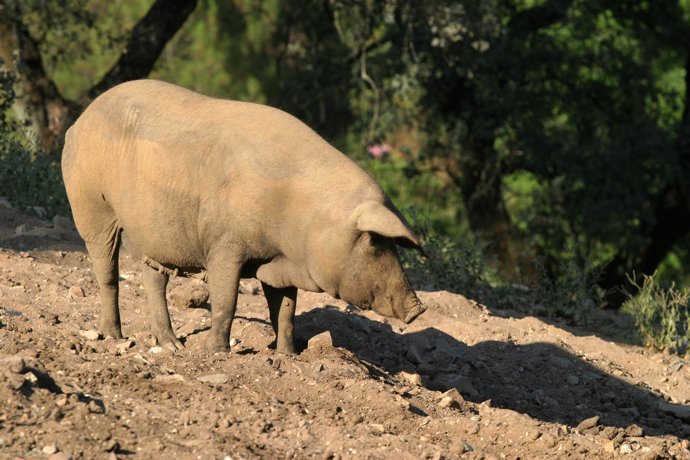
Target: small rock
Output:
{"points": [[588, 423], [634, 431], [40, 211], [23, 229], [677, 365], [321, 340], [14, 364], [233, 342], [5, 203], [412, 377], [31, 377], [451, 398], [573, 380], [111, 446], [60, 456], [91, 334], [559, 362], [76, 291], [465, 387], [156, 350], [50, 449], [61, 400], [213, 379], [63, 223], [549, 440], [626, 448], [413, 355], [124, 346], [95, 408], [377, 428], [609, 446], [682, 412]]}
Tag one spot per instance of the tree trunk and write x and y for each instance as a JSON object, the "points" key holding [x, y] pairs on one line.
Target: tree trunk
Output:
{"points": [[39, 101]]}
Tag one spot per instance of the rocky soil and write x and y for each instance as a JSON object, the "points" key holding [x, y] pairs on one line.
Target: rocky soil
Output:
{"points": [[463, 381]]}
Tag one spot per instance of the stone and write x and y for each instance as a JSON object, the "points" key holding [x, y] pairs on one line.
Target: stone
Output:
{"points": [[413, 355], [323, 340], [156, 350], [213, 379], [609, 446], [452, 399], [412, 377], [91, 334], [23, 229], [60, 456], [63, 223], [626, 448], [193, 294], [573, 380], [682, 412], [634, 431], [465, 387], [14, 364], [5, 203], [124, 346], [561, 363], [40, 211], [76, 291], [588, 423], [377, 428], [50, 449]]}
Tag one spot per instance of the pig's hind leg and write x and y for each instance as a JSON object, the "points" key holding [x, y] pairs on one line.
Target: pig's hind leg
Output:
{"points": [[223, 284], [281, 305], [155, 284]]}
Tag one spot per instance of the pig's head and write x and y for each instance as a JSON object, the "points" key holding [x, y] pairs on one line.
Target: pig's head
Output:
{"points": [[372, 276]]}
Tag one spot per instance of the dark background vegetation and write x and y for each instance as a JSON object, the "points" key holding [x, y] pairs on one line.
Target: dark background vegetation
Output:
{"points": [[540, 146]]}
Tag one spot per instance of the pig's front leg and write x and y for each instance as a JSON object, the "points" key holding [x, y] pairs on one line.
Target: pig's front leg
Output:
{"points": [[159, 317], [281, 305], [223, 284]]}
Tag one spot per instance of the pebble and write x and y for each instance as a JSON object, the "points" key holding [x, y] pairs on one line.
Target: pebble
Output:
{"points": [[124, 346], [610, 446], [549, 440], [377, 428], [5, 203], [14, 364], [156, 350], [91, 334], [634, 431], [573, 380], [451, 398], [76, 292], [559, 362], [60, 456], [412, 377], [49, 449], [413, 355], [190, 295], [321, 340], [588, 423], [111, 446], [626, 448], [233, 342], [63, 223], [214, 379]]}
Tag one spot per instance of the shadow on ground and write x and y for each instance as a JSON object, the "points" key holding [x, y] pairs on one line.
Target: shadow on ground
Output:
{"points": [[539, 379]]}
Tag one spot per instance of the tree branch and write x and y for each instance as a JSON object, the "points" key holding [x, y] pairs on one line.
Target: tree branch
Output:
{"points": [[146, 42]]}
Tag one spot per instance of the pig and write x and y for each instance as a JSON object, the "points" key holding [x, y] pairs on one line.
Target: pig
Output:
{"points": [[195, 184]]}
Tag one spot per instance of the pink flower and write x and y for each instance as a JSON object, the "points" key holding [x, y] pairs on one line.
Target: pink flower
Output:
{"points": [[378, 150]]}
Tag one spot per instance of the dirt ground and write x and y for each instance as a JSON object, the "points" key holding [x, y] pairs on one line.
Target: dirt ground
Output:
{"points": [[462, 381]]}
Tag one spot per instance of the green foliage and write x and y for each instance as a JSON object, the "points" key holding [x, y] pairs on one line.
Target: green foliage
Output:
{"points": [[449, 265], [31, 179], [567, 287], [661, 315]]}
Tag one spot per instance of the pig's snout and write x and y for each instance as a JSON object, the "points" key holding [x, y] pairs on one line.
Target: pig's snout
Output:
{"points": [[413, 313]]}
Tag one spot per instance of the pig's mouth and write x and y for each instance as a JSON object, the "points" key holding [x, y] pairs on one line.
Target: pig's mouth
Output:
{"points": [[414, 312]]}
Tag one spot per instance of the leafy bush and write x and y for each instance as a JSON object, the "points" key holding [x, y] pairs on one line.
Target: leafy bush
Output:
{"points": [[450, 265], [31, 179], [662, 315]]}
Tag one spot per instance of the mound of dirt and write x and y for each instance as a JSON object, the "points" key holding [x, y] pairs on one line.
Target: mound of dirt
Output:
{"points": [[462, 381]]}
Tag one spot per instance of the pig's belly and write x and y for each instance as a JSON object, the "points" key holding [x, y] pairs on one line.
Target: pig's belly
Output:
{"points": [[163, 235]]}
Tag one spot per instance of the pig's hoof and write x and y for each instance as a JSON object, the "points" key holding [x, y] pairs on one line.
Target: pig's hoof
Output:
{"points": [[114, 332], [213, 345], [167, 339]]}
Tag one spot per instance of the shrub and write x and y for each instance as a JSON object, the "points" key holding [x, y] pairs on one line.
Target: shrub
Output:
{"points": [[662, 315]]}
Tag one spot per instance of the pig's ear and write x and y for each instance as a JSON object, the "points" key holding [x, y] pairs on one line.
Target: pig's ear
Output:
{"points": [[376, 218]]}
